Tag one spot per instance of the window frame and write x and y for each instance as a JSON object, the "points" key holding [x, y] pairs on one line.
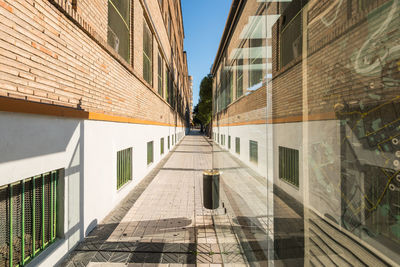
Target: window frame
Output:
{"points": [[253, 158], [124, 167], [289, 158], [150, 156], [160, 74], [127, 23], [237, 145], [148, 77]]}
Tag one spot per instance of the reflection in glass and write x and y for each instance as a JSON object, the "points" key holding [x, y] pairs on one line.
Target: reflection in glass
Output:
{"points": [[309, 94]]}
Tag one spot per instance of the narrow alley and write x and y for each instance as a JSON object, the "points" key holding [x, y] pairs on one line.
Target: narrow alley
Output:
{"points": [[162, 221]]}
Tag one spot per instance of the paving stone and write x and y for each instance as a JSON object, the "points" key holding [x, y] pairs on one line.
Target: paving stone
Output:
{"points": [[162, 221]]}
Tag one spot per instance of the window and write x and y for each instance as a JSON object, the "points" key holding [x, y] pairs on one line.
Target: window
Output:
{"points": [[169, 24], [239, 78], [229, 142], [162, 146], [256, 62], [218, 138], [150, 155], [291, 34], [147, 53], [160, 76], [237, 145], [172, 137], [160, 2], [28, 221], [169, 145], [289, 165], [118, 32], [253, 150], [124, 167], [74, 4]]}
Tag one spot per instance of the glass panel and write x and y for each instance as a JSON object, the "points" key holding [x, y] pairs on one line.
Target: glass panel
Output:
{"points": [[118, 34], [147, 53], [309, 91]]}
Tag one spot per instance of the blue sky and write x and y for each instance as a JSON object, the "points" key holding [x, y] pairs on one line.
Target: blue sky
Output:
{"points": [[204, 22]]}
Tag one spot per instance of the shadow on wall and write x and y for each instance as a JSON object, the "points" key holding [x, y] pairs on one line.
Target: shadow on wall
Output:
{"points": [[46, 143], [27, 136]]}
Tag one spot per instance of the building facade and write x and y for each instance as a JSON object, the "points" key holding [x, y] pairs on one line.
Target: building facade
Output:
{"points": [[93, 94], [307, 95]]}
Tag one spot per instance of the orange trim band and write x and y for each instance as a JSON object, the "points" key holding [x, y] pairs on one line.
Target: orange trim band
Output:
{"points": [[28, 107], [311, 117]]}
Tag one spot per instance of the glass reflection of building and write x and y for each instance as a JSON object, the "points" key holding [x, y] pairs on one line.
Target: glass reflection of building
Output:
{"points": [[307, 93]]}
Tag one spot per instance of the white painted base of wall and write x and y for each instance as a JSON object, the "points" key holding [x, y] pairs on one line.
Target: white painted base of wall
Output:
{"points": [[246, 133], [87, 151]]}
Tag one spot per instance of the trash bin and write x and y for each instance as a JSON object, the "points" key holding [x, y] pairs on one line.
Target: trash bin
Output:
{"points": [[211, 189]]}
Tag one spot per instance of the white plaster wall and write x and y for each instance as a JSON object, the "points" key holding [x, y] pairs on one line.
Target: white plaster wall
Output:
{"points": [[86, 150], [288, 135], [246, 133]]}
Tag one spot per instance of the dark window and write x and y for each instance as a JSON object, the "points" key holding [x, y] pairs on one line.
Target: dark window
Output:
{"points": [[169, 24], [291, 34], [147, 53], [239, 78], [160, 2], [256, 65], [289, 165], [229, 142], [29, 217], [237, 145], [150, 154], [162, 146], [160, 76], [253, 151], [169, 143], [124, 167], [118, 33]]}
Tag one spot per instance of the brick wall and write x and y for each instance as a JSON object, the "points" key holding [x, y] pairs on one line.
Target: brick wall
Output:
{"points": [[50, 58]]}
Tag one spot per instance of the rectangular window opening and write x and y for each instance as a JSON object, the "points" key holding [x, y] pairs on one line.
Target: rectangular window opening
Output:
{"points": [[124, 167], [289, 165], [147, 53], [29, 217], [150, 154], [237, 145], [253, 150], [118, 31]]}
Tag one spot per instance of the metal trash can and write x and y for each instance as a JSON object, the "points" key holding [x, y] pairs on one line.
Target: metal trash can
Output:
{"points": [[211, 189]]}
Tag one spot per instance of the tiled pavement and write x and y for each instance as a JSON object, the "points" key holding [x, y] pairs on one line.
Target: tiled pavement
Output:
{"points": [[162, 221]]}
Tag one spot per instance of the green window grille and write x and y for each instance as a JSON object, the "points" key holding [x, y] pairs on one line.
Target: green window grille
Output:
{"points": [[289, 165], [218, 138], [124, 167], [147, 53], [150, 154], [162, 146], [253, 150], [169, 145], [28, 220], [229, 142], [237, 145], [118, 33], [172, 137], [175, 138], [160, 76]]}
